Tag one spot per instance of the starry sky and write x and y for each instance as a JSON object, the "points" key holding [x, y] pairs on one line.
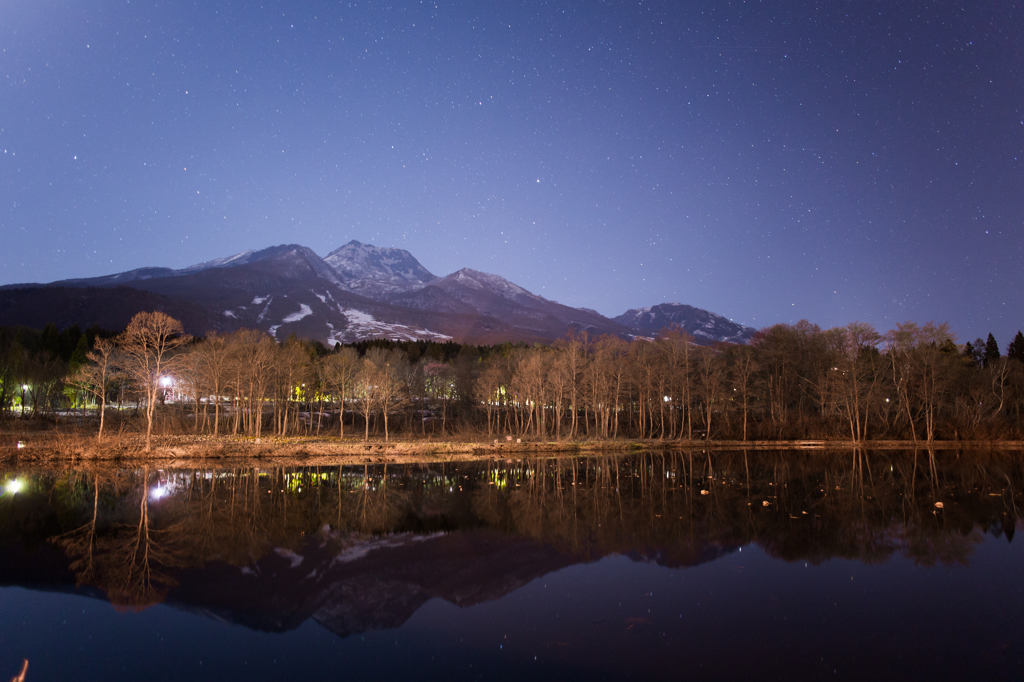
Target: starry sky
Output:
{"points": [[768, 161]]}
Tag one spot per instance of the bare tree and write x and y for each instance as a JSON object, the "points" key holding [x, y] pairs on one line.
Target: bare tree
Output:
{"points": [[487, 390], [744, 366], [191, 378], [710, 382], [439, 384], [573, 350], [857, 371], [387, 374], [339, 370], [95, 376], [149, 343], [216, 354], [607, 378], [365, 385], [920, 359], [253, 356], [292, 370]]}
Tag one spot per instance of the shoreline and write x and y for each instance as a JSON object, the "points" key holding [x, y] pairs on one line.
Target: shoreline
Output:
{"points": [[184, 450]]}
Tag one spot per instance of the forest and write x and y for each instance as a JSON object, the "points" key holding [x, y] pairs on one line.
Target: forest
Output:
{"points": [[792, 382]]}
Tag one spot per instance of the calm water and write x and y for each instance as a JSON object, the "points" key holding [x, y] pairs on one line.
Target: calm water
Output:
{"points": [[730, 565]]}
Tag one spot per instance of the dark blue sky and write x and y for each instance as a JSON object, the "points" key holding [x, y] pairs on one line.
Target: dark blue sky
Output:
{"points": [[769, 161]]}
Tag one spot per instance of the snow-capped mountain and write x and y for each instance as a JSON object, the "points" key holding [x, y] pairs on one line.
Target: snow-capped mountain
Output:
{"points": [[226, 262], [290, 290], [358, 291], [303, 253], [375, 270], [698, 322], [492, 284], [472, 292]]}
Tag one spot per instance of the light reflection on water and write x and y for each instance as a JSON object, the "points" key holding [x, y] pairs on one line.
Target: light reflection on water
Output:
{"points": [[723, 565]]}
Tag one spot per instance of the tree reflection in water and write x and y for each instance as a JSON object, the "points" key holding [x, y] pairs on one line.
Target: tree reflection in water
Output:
{"points": [[131, 533], [129, 560]]}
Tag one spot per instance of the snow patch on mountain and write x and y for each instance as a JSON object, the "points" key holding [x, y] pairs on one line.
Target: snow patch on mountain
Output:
{"points": [[263, 313], [483, 281], [358, 317], [362, 325], [304, 311], [225, 262]]}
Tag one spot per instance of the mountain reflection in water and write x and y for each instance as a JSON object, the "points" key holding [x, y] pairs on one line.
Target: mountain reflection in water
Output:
{"points": [[362, 548]]}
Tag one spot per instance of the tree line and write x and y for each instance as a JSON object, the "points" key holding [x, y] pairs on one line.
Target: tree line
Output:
{"points": [[791, 382]]}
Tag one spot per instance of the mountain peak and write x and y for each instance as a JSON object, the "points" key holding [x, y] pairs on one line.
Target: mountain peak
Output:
{"points": [[703, 324], [495, 283], [375, 270]]}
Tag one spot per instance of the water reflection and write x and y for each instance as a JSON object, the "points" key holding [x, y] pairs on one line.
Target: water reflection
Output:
{"points": [[362, 548]]}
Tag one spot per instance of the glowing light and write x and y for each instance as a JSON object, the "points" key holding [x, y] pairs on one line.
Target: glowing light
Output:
{"points": [[158, 492], [14, 486], [166, 381]]}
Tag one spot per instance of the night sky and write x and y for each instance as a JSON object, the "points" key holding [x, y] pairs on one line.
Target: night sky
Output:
{"points": [[768, 161]]}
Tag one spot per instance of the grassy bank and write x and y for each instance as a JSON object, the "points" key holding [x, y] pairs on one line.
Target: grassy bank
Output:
{"points": [[181, 450]]}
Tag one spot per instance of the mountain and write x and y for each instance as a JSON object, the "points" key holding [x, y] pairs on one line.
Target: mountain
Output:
{"points": [[289, 289], [358, 291], [246, 257], [697, 321], [374, 270], [471, 291]]}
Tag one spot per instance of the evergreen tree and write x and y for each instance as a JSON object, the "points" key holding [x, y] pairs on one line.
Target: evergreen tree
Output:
{"points": [[975, 352], [50, 340], [69, 342], [78, 356], [968, 353], [1015, 351], [991, 350]]}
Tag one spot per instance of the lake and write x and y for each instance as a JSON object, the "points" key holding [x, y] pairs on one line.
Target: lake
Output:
{"points": [[716, 565]]}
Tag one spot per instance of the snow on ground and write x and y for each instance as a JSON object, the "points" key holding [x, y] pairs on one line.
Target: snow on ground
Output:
{"points": [[304, 311], [258, 300], [229, 313], [362, 325], [263, 313], [323, 299], [358, 317], [273, 330]]}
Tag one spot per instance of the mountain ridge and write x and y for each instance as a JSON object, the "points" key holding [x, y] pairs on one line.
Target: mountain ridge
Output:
{"points": [[357, 291]]}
